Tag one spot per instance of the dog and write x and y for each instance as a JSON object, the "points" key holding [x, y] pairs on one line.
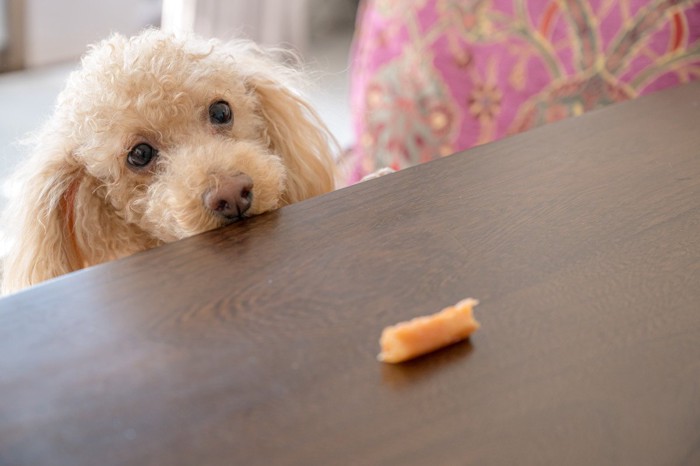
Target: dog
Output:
{"points": [[159, 137]]}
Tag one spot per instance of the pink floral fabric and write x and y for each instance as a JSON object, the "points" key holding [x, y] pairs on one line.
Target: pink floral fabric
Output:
{"points": [[432, 77]]}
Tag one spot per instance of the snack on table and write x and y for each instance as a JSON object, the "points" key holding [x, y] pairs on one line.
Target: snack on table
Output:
{"points": [[407, 340]]}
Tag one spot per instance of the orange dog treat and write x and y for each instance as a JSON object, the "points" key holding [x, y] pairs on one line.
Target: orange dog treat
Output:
{"points": [[407, 340]]}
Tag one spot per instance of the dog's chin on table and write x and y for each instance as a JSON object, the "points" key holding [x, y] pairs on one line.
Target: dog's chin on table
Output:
{"points": [[159, 137]]}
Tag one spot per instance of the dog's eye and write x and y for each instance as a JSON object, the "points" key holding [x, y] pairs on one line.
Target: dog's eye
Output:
{"points": [[220, 113], [141, 155]]}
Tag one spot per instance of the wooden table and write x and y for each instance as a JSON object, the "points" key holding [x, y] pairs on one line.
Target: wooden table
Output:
{"points": [[256, 344]]}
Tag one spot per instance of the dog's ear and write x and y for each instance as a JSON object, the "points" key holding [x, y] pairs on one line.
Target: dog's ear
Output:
{"points": [[297, 134], [39, 215]]}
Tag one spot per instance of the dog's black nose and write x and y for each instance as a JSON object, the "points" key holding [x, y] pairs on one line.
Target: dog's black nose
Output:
{"points": [[232, 197]]}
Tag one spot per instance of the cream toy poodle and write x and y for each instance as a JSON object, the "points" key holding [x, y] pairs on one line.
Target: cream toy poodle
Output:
{"points": [[156, 138]]}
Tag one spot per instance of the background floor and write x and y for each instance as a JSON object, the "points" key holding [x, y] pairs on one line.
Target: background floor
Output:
{"points": [[27, 98]]}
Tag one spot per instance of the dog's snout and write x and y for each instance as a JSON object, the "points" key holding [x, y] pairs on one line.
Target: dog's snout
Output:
{"points": [[232, 198]]}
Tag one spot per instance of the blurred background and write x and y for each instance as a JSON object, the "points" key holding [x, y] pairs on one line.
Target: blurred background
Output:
{"points": [[41, 42]]}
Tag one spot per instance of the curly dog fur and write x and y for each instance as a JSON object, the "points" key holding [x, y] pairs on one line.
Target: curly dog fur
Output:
{"points": [[84, 202]]}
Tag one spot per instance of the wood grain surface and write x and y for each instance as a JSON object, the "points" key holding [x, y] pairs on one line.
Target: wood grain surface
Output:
{"points": [[256, 344]]}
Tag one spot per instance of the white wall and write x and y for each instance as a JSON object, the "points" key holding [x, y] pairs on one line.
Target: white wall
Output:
{"points": [[60, 30], [3, 24]]}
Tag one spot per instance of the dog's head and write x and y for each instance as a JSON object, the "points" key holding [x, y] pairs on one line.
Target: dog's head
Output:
{"points": [[156, 138]]}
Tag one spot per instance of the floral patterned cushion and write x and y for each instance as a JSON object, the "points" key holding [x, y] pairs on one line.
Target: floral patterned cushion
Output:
{"points": [[432, 77]]}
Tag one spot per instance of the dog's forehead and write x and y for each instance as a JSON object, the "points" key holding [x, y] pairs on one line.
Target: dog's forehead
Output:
{"points": [[170, 66], [153, 83]]}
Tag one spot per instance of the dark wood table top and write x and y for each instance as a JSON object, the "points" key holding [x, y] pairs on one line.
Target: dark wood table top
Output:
{"points": [[256, 344]]}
